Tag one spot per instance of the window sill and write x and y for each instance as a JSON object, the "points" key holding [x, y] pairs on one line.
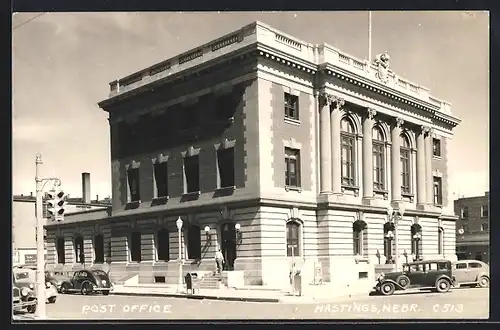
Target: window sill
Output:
{"points": [[224, 191], [410, 197], [353, 189], [292, 121], [437, 157], [383, 193], [132, 205], [439, 205], [361, 259], [293, 188], [160, 200], [191, 195]]}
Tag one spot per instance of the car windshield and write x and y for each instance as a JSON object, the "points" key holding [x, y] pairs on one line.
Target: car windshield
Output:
{"points": [[99, 273]]}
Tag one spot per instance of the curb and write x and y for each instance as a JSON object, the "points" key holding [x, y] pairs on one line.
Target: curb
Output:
{"points": [[195, 296]]}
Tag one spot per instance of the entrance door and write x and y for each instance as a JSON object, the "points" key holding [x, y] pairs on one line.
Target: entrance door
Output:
{"points": [[228, 245]]}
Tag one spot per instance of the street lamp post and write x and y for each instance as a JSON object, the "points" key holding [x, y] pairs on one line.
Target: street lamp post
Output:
{"points": [[389, 237], [179, 227], [40, 249], [395, 216]]}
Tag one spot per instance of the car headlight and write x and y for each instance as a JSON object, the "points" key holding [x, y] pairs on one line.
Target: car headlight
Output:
{"points": [[381, 276], [32, 286], [24, 292], [103, 282]]}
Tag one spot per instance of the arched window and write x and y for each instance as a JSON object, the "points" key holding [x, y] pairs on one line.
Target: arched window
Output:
{"points": [[440, 241], [293, 238], [98, 248], [405, 154], [162, 245], [359, 237], [416, 240], [348, 156], [61, 253], [79, 252], [378, 141]]}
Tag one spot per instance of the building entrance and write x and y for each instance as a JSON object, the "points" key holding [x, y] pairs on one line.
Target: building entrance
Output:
{"points": [[228, 245]]}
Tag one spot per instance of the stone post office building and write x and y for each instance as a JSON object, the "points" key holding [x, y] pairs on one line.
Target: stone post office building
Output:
{"points": [[284, 151]]}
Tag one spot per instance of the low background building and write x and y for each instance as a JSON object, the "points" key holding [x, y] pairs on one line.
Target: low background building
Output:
{"points": [[473, 227], [24, 219]]}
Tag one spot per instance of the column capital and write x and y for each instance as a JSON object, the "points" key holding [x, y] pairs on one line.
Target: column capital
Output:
{"points": [[339, 102], [426, 129], [325, 98], [371, 113], [399, 122]]}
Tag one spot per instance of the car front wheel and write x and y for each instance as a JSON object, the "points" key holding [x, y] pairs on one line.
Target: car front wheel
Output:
{"points": [[484, 282], [52, 300], [387, 289], [64, 288], [443, 285], [31, 309], [86, 288]]}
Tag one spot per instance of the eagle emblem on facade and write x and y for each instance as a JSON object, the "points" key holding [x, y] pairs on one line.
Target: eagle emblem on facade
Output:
{"points": [[382, 63]]}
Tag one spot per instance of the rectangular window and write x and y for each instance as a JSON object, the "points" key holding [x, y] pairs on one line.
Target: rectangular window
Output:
{"points": [[161, 179], [225, 164], [135, 247], [99, 249], [292, 239], [133, 185], [436, 147], [485, 227], [484, 211], [163, 245], [192, 173], [378, 166], [348, 160], [292, 167], [438, 191], [405, 171], [465, 212], [189, 117], [291, 106], [61, 253], [466, 229], [194, 242]]}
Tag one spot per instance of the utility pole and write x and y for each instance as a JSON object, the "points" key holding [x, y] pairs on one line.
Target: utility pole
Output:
{"points": [[40, 248]]}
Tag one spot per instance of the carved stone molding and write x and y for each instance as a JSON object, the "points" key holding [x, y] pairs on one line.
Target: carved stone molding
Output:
{"points": [[161, 158], [339, 102], [191, 151], [225, 144], [325, 99], [132, 165], [426, 129], [399, 122], [371, 113]]}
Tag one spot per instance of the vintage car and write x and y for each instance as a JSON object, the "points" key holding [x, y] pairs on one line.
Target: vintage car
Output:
{"points": [[428, 274], [472, 273], [88, 282], [53, 277], [26, 278], [23, 299]]}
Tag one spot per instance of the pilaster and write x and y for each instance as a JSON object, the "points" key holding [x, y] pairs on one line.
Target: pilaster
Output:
{"points": [[396, 160], [325, 143], [335, 134], [429, 182], [421, 168], [368, 154]]}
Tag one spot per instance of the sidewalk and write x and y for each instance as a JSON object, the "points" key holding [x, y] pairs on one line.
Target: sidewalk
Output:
{"points": [[244, 294]]}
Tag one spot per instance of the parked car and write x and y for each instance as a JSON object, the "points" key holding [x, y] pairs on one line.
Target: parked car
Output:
{"points": [[472, 273], [56, 279], [427, 274], [26, 278], [23, 298], [88, 282]]}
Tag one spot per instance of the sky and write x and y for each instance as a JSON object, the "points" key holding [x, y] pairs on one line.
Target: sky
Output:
{"points": [[63, 64]]}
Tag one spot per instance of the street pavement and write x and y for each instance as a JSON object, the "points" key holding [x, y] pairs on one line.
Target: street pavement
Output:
{"points": [[458, 304]]}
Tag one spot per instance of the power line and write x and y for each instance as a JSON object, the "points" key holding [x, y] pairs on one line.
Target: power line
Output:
{"points": [[26, 22]]}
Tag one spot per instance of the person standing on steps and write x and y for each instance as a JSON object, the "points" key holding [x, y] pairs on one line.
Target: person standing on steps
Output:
{"points": [[219, 260]]}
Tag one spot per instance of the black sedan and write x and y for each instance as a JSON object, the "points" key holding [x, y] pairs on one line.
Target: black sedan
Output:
{"points": [[88, 282]]}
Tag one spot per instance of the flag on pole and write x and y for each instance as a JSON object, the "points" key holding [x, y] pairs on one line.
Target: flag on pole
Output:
{"points": [[369, 35]]}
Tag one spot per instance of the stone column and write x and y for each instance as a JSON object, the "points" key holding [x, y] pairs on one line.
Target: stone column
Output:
{"points": [[325, 144], [421, 189], [396, 160], [428, 167], [335, 134], [368, 154]]}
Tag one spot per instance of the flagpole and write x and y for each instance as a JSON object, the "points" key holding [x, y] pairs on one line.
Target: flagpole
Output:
{"points": [[369, 35]]}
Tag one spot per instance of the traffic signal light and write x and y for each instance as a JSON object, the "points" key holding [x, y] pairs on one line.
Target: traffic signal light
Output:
{"points": [[56, 204]]}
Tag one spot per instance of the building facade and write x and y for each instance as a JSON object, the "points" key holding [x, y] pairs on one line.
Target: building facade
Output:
{"points": [[277, 152], [24, 219], [473, 227]]}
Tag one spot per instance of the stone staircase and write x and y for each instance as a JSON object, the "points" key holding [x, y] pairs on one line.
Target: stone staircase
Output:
{"points": [[210, 281]]}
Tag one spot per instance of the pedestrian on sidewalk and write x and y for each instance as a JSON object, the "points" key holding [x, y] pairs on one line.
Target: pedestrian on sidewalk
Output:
{"points": [[219, 260]]}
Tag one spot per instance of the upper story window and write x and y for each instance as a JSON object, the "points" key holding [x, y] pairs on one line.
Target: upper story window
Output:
{"points": [[225, 167], [436, 147], [292, 167], [291, 106], [485, 227], [438, 191], [133, 185], [348, 156], [191, 174], [161, 179], [464, 212], [484, 211], [405, 154], [378, 159]]}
